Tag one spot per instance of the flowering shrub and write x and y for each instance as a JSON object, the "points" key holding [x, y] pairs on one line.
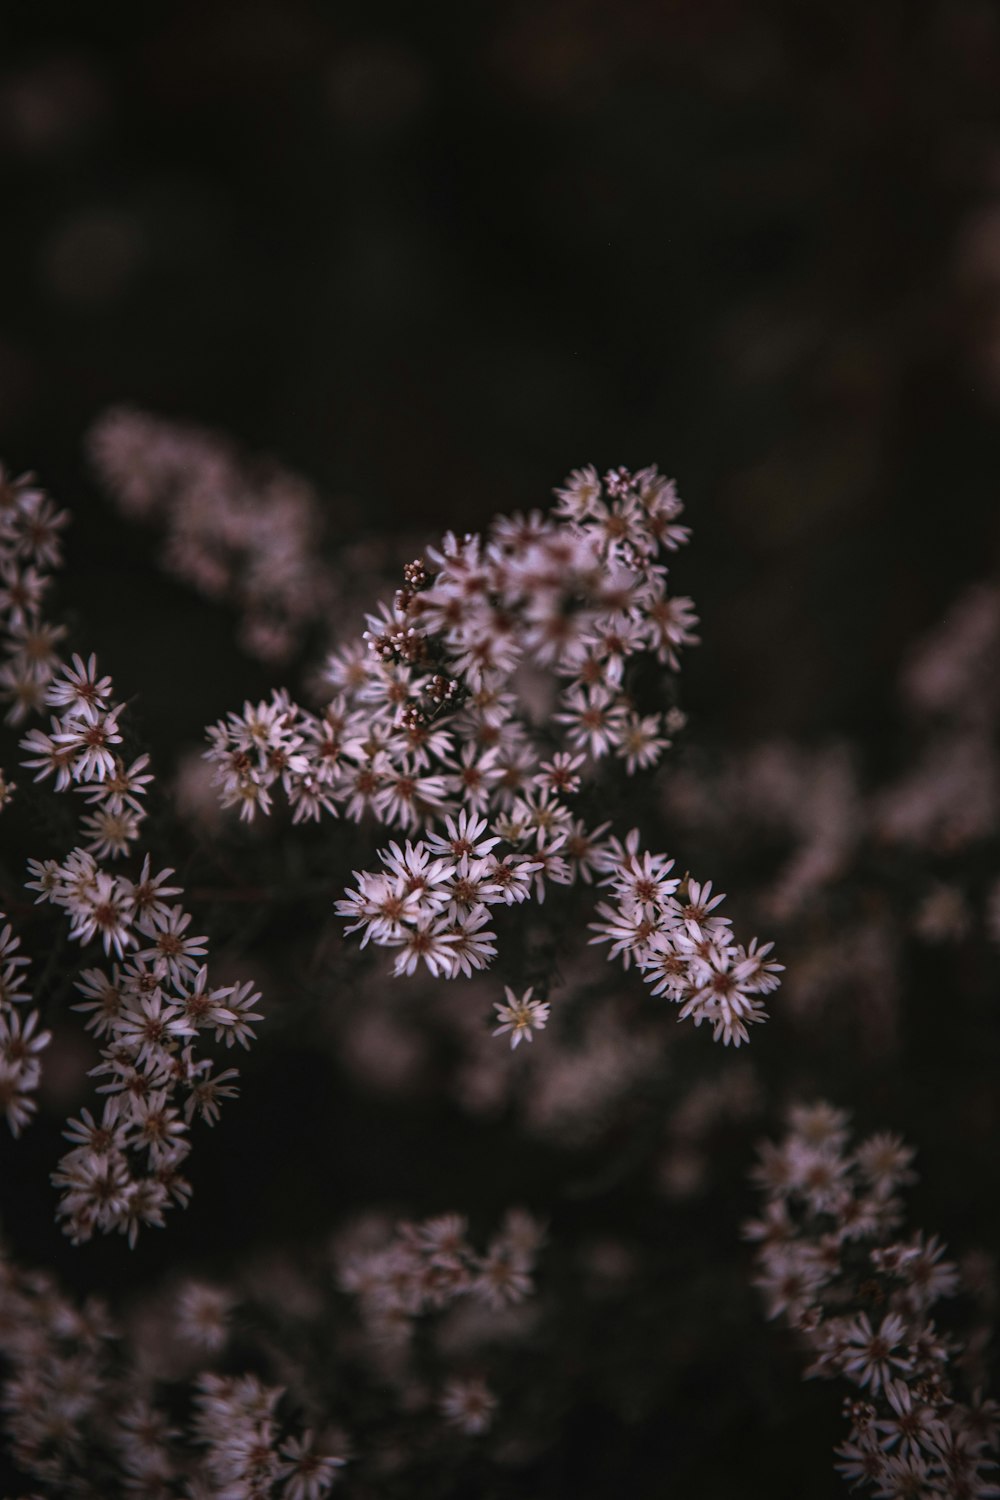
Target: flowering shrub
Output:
{"points": [[480, 783]]}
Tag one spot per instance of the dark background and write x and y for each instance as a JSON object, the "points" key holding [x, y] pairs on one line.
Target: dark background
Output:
{"points": [[435, 257]]}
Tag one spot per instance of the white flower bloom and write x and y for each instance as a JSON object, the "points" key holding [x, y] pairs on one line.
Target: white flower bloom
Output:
{"points": [[429, 941], [79, 691], [468, 1405], [102, 907], [521, 1016]]}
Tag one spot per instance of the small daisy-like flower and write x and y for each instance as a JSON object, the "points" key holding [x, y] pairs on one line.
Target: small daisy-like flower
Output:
{"points": [[464, 835], [20, 1044], [110, 834], [593, 718], [202, 1313], [560, 775], [521, 1016], [21, 591], [206, 1093], [427, 941], [871, 1358], [151, 1027], [638, 741], [123, 789], [468, 1405], [472, 946], [90, 737], [308, 1474], [49, 757], [884, 1160], [174, 953], [80, 690], [103, 908], [579, 498]]}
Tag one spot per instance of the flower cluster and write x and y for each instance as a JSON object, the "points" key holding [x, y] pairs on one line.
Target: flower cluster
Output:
{"points": [[428, 1266], [679, 941], [154, 1009], [163, 1402], [483, 700], [429, 710], [153, 1012], [246, 1453], [79, 751], [431, 897], [234, 530], [20, 1039], [87, 1414], [831, 1260], [30, 550]]}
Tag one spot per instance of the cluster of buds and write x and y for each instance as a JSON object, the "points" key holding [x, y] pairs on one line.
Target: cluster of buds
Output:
{"points": [[415, 578], [406, 645]]}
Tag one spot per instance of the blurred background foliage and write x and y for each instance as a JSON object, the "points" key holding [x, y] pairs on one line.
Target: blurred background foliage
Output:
{"points": [[434, 257]]}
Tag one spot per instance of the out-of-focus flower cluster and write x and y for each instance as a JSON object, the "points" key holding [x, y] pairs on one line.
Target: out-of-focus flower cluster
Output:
{"points": [[150, 1005], [868, 863], [20, 1039], [413, 1273], [88, 1413], [30, 551], [247, 533], [158, 1404], [832, 1260], [430, 1265]]}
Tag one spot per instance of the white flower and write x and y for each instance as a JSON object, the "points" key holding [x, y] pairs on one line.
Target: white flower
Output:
{"points": [[468, 1405], [428, 941], [871, 1357], [20, 1042], [151, 1026], [110, 834], [173, 953], [520, 1015], [79, 691], [472, 947], [48, 756], [464, 836], [123, 789], [102, 907], [233, 1024], [644, 880], [580, 496], [202, 1313], [638, 741], [593, 716], [512, 876], [89, 737]]}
